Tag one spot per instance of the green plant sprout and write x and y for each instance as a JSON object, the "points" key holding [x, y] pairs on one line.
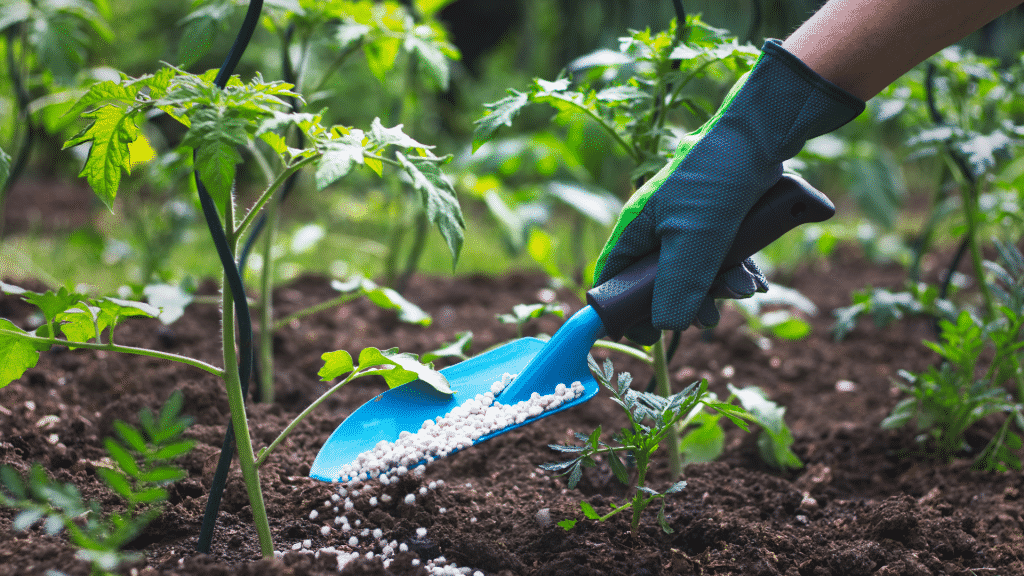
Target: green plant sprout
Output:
{"points": [[886, 307], [780, 322], [218, 122], [970, 385], [139, 471], [523, 313], [651, 418]]}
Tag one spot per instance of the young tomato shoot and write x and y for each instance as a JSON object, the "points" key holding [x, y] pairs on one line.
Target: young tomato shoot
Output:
{"points": [[651, 418]]}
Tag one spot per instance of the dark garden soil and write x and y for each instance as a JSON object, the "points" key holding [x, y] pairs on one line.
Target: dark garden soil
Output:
{"points": [[865, 502]]}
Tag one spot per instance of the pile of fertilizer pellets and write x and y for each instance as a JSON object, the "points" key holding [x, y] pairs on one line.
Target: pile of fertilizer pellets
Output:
{"points": [[454, 431], [354, 539]]}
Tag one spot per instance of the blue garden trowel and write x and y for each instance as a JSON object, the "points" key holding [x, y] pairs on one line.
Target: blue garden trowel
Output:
{"points": [[614, 307]]}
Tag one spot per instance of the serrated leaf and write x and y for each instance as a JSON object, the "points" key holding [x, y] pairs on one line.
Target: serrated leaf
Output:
{"points": [[169, 300], [595, 438], [174, 450], [405, 368], [589, 511], [437, 197], [381, 137], [18, 353], [557, 466], [110, 132], [618, 468], [569, 449], [575, 475], [81, 323], [336, 364], [390, 300], [214, 135], [431, 57], [663, 522], [522, 313], [339, 157], [676, 487], [566, 524], [649, 491], [500, 113]]}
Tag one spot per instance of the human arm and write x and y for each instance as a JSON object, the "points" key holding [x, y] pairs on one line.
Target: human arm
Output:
{"points": [[862, 46]]}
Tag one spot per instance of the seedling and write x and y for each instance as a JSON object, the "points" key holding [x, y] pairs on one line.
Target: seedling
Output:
{"points": [[651, 418], [886, 307], [523, 313], [139, 472], [946, 401]]}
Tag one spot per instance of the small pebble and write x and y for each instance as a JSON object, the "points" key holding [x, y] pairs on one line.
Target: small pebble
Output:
{"points": [[378, 533], [410, 499], [421, 532], [325, 530], [543, 517], [423, 490], [353, 541], [373, 501], [307, 543], [313, 515]]}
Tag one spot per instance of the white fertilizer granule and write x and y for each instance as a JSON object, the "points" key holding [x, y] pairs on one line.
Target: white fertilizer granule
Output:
{"points": [[452, 432]]}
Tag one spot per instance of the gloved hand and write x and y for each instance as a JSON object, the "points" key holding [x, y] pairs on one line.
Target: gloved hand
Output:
{"points": [[692, 208]]}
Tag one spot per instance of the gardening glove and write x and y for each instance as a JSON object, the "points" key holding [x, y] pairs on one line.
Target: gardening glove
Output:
{"points": [[692, 208]]}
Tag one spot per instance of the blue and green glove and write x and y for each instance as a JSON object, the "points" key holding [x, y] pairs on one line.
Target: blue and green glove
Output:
{"points": [[692, 208]]}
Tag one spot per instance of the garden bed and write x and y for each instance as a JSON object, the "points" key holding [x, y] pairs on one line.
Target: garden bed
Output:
{"points": [[863, 504]]}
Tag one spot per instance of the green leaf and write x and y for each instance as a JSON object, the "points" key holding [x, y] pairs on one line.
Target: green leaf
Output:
{"points": [[12, 481], [162, 474], [120, 455], [522, 313], [169, 300], [500, 113], [381, 137], [437, 197], [401, 368], [618, 468], [53, 303], [171, 409], [458, 348], [663, 522], [116, 481], [18, 353], [131, 435], [80, 324], [589, 511], [149, 495], [110, 132], [387, 299], [595, 438], [25, 519], [339, 157], [566, 524], [174, 450], [775, 444], [215, 134], [431, 57], [704, 443], [335, 364], [678, 486]]}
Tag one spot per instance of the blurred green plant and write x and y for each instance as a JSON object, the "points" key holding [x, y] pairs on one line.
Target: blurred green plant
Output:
{"points": [[981, 362], [45, 53], [138, 469]]}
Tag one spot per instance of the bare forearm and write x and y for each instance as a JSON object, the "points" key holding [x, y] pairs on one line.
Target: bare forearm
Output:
{"points": [[864, 45]]}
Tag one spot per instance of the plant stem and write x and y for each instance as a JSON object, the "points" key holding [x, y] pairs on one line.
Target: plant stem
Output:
{"points": [[421, 226], [664, 387], [282, 322], [302, 416], [118, 348], [266, 351], [250, 216], [970, 204], [626, 349], [233, 384]]}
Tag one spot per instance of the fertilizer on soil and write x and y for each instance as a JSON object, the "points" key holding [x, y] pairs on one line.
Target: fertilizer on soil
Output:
{"points": [[456, 430]]}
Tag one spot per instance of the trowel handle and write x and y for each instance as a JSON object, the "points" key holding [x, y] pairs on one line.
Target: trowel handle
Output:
{"points": [[625, 300]]}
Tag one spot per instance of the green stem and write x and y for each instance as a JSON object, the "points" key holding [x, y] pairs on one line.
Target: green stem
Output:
{"points": [[633, 154], [266, 344], [239, 421], [421, 226], [264, 453], [664, 388], [250, 216], [117, 348], [615, 510], [625, 349], [282, 322]]}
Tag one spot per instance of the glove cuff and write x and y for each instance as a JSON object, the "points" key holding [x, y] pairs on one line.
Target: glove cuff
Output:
{"points": [[842, 106]]}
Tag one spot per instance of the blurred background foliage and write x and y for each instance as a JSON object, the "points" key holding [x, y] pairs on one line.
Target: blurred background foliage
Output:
{"points": [[542, 194]]}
